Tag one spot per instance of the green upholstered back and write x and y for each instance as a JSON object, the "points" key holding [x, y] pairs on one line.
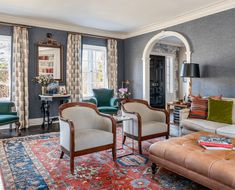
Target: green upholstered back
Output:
{"points": [[5, 107], [103, 96]]}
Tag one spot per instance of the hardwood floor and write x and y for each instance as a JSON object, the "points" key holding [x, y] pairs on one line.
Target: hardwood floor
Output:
{"points": [[33, 130]]}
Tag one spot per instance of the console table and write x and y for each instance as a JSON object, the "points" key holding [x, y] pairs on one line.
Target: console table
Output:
{"points": [[45, 107]]}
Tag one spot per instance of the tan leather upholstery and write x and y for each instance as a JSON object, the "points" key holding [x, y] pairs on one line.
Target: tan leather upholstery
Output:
{"points": [[183, 155]]}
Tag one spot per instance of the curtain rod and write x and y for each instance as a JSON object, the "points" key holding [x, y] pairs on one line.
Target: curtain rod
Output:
{"points": [[92, 35], [14, 24]]}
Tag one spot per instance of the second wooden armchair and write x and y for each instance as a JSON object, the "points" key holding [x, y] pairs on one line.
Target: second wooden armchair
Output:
{"points": [[148, 122]]}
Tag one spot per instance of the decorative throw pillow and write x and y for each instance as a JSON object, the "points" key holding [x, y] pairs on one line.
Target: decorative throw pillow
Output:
{"points": [[220, 111], [199, 108], [216, 97]]}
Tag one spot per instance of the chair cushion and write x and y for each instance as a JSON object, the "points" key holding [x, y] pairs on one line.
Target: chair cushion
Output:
{"points": [[228, 131], [5, 107], [201, 125], [103, 96], [148, 128], [90, 138], [108, 109], [4, 119]]}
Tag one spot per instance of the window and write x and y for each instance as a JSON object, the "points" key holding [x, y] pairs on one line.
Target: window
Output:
{"points": [[94, 69], [169, 74], [5, 67]]}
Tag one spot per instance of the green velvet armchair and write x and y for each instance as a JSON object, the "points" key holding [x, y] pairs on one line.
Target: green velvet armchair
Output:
{"points": [[104, 100], [7, 116]]}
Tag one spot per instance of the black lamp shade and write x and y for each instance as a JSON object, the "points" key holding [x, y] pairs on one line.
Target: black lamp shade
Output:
{"points": [[190, 70]]}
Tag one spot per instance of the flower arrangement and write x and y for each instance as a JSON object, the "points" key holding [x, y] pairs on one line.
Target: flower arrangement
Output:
{"points": [[123, 93], [44, 80]]}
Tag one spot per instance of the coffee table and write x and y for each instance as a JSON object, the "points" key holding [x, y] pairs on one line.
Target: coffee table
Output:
{"points": [[121, 119]]}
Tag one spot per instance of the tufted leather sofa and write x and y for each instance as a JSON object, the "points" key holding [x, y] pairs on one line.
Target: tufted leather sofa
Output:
{"points": [[183, 155]]}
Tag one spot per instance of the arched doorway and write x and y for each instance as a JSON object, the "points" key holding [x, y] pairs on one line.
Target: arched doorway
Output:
{"points": [[146, 57]]}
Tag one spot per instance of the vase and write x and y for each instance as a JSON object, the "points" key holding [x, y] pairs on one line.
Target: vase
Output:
{"points": [[44, 90]]}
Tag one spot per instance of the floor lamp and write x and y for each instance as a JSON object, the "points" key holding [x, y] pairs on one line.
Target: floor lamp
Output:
{"points": [[190, 70]]}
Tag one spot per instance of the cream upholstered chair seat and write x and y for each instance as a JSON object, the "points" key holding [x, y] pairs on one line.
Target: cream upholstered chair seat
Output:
{"points": [[147, 123], [83, 130], [148, 129]]}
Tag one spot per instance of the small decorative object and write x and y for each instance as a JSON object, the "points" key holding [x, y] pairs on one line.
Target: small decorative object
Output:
{"points": [[123, 93], [62, 90], [44, 81], [53, 88]]}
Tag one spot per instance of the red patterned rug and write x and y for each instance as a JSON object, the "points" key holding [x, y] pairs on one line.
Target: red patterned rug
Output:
{"points": [[33, 163]]}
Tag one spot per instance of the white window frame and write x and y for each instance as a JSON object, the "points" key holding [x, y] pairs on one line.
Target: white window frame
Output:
{"points": [[9, 69], [96, 48]]}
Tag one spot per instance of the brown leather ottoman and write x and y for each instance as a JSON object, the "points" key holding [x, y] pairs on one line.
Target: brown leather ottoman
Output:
{"points": [[212, 168]]}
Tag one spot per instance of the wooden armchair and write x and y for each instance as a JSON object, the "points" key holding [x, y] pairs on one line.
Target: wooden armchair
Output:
{"points": [[84, 130], [148, 122]]}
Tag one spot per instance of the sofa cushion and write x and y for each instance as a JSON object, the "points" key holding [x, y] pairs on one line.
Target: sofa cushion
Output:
{"points": [[233, 113], [228, 131], [199, 108], [201, 125], [220, 111]]}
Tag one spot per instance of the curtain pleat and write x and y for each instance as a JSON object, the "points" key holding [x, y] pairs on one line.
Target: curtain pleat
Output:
{"points": [[112, 64], [20, 74], [73, 71]]}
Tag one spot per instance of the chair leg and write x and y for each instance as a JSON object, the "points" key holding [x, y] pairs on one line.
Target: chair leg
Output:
{"points": [[124, 139], [154, 169], [167, 136], [114, 154], [18, 128], [72, 164], [61, 154], [140, 146]]}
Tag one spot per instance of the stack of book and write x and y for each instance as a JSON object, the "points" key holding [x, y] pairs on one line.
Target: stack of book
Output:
{"points": [[216, 143]]}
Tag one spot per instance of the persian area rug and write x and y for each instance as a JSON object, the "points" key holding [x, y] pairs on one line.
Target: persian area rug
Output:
{"points": [[33, 163]]}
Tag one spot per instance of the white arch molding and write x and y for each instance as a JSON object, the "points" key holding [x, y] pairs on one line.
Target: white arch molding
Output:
{"points": [[146, 57]]}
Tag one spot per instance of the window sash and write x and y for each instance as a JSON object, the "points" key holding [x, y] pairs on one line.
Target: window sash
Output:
{"points": [[92, 57], [5, 56]]}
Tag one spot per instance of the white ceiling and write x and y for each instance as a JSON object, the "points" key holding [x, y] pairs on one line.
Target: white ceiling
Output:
{"points": [[120, 17]]}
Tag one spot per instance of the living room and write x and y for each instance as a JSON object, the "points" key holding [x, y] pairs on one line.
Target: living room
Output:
{"points": [[121, 69]]}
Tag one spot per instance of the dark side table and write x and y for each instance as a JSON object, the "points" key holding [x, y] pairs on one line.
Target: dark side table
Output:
{"points": [[45, 107]]}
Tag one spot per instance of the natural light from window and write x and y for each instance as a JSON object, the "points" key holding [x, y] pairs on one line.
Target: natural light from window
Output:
{"points": [[5, 67], [94, 69]]}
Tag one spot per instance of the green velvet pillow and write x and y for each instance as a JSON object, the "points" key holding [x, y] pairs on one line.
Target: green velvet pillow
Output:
{"points": [[220, 111]]}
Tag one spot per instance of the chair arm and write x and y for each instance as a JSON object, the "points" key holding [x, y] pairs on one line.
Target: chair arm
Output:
{"points": [[66, 134], [114, 102], [184, 113], [91, 100]]}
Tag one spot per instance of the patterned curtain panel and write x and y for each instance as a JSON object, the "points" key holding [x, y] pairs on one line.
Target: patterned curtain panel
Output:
{"points": [[74, 73], [20, 74], [112, 64]]}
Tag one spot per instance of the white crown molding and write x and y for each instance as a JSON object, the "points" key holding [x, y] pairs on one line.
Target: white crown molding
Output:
{"points": [[53, 25], [209, 10]]}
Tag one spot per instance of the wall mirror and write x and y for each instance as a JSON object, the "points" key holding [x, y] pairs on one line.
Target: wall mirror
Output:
{"points": [[50, 58]]}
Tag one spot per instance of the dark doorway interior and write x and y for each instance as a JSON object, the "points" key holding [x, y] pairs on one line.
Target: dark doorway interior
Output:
{"points": [[157, 81]]}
